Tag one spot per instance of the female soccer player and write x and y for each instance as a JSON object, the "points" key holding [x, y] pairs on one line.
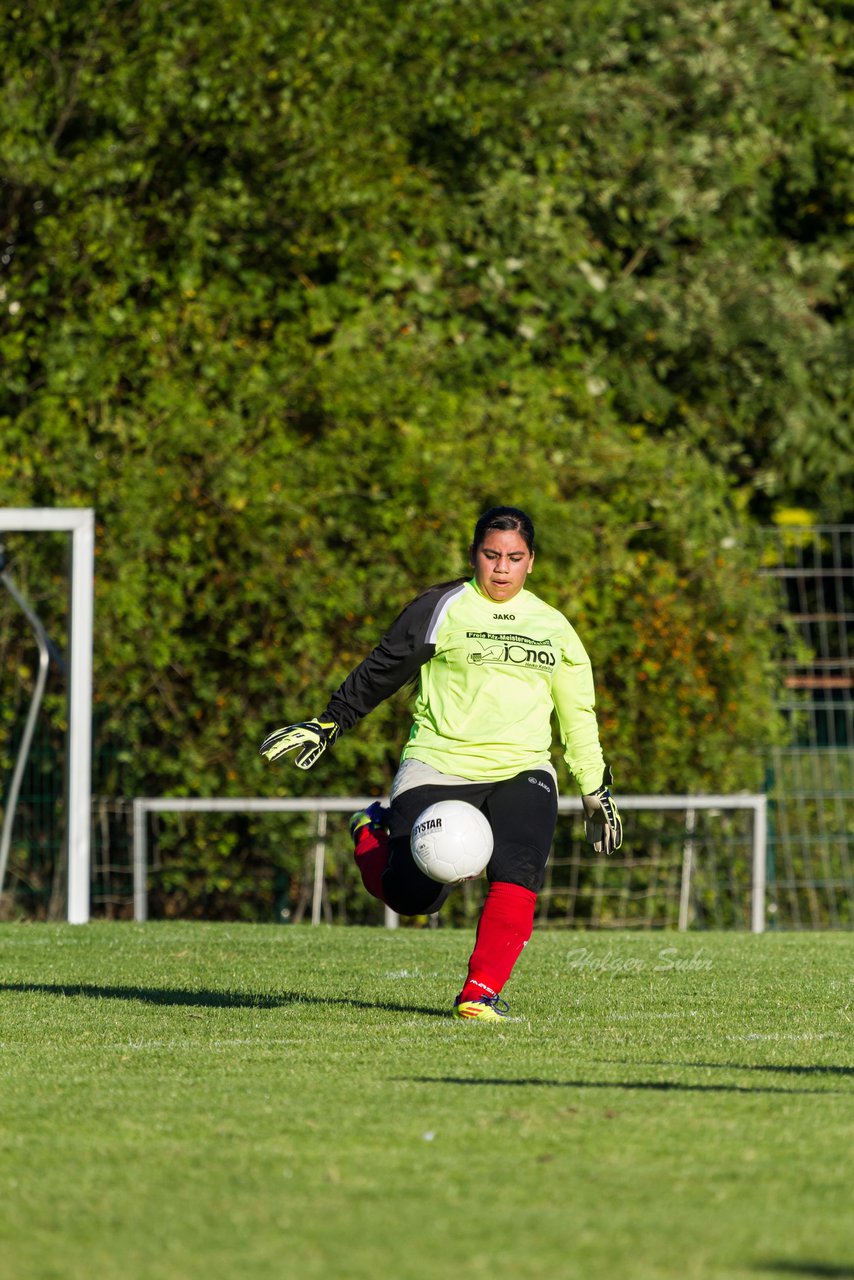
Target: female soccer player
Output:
{"points": [[492, 662]]}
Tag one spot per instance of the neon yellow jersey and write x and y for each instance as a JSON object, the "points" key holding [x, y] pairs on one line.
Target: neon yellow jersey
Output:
{"points": [[491, 675]]}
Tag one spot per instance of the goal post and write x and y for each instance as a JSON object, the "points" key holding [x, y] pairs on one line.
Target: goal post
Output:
{"points": [[321, 806], [79, 522]]}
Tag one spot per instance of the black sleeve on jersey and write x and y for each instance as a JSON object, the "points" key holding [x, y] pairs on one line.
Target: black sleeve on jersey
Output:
{"points": [[400, 654]]}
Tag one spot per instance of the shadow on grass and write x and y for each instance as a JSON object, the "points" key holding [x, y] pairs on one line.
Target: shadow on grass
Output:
{"points": [[818, 1270], [211, 999], [652, 1086], [783, 1068]]}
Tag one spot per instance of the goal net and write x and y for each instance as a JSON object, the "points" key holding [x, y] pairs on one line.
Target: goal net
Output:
{"points": [[64, 787], [687, 862]]}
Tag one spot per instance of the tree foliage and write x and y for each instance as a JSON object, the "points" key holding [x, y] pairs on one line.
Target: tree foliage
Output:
{"points": [[290, 292]]}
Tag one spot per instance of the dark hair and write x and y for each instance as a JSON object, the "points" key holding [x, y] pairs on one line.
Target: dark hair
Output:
{"points": [[494, 518], [504, 518]]}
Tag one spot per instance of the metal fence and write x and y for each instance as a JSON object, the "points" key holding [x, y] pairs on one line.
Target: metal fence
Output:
{"points": [[810, 781]]}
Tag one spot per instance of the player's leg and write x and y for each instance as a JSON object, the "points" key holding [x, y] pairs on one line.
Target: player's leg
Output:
{"points": [[522, 812], [384, 858], [369, 831]]}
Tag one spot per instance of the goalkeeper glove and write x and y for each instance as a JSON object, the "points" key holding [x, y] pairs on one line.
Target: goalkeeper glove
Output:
{"points": [[314, 736], [602, 824]]}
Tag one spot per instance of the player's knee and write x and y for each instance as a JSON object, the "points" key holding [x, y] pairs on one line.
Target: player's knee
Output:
{"points": [[413, 900], [524, 865]]}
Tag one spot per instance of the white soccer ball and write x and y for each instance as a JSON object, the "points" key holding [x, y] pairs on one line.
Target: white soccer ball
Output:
{"points": [[451, 841]]}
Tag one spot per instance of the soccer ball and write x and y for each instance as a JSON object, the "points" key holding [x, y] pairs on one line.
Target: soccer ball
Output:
{"points": [[451, 841]]}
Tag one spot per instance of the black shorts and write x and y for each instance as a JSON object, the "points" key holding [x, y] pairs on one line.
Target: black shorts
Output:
{"points": [[522, 812]]}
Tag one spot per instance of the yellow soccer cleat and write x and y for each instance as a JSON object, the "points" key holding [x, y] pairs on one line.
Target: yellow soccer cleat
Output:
{"points": [[485, 1008]]}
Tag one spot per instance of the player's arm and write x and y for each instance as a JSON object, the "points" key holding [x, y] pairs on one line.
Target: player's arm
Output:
{"points": [[398, 657], [400, 654], [574, 698]]}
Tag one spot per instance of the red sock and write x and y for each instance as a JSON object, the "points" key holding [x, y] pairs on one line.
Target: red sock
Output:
{"points": [[505, 925], [371, 855]]}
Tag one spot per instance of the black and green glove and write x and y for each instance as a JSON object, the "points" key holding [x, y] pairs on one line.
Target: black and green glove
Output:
{"points": [[603, 826], [314, 736]]}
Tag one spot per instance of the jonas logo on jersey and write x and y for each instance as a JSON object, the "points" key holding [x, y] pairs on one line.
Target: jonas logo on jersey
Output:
{"points": [[515, 650]]}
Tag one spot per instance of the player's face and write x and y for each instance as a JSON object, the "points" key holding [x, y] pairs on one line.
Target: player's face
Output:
{"points": [[501, 564]]}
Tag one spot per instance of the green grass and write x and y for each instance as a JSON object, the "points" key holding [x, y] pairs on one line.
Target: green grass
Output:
{"points": [[182, 1101]]}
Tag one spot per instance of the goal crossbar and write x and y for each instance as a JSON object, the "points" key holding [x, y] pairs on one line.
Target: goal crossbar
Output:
{"points": [[323, 805]]}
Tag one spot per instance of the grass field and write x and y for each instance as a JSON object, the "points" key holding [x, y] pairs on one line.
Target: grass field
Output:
{"points": [[182, 1101]]}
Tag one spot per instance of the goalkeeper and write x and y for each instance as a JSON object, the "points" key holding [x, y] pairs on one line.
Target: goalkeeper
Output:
{"points": [[492, 662]]}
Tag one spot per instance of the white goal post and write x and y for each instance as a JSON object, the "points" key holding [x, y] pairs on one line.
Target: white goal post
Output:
{"points": [[80, 523], [323, 805]]}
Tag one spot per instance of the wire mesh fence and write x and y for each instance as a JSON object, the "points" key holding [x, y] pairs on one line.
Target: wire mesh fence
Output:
{"points": [[810, 781], [814, 570], [811, 838]]}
